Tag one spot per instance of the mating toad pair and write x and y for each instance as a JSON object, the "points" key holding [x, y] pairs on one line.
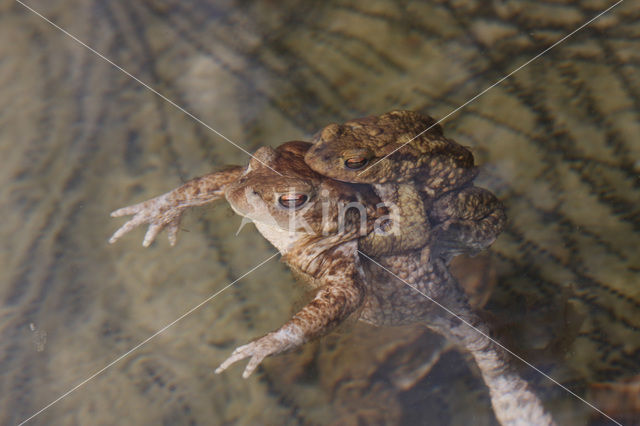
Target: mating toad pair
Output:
{"points": [[386, 259]]}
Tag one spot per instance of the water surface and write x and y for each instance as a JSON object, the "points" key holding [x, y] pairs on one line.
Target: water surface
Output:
{"points": [[558, 143]]}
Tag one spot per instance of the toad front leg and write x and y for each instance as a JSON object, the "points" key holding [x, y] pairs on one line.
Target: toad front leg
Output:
{"points": [[409, 227], [165, 211], [341, 293], [465, 221]]}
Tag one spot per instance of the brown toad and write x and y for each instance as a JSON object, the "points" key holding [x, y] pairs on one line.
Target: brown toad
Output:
{"points": [[303, 214], [306, 216], [410, 163]]}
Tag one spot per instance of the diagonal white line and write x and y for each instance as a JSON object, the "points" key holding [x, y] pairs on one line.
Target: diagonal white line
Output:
{"points": [[136, 347], [151, 89], [494, 341], [496, 83], [271, 257]]}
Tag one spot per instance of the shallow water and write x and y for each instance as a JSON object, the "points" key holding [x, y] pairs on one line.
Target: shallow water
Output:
{"points": [[558, 143]]}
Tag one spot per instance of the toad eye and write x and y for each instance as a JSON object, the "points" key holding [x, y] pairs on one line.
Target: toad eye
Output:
{"points": [[292, 201], [356, 163]]}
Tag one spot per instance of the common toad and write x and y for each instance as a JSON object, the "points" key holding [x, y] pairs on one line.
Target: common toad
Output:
{"points": [[412, 165], [302, 213]]}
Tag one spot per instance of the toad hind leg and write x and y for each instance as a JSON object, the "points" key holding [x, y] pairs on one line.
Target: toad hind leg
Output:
{"points": [[513, 400]]}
